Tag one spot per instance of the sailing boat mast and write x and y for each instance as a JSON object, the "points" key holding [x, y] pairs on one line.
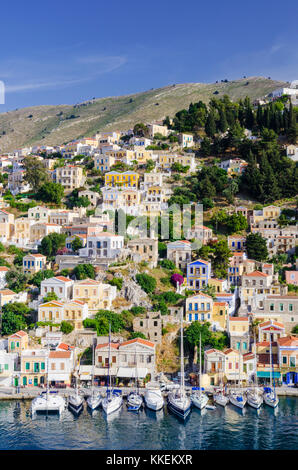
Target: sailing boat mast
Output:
{"points": [[109, 378], [255, 360], [200, 391], [182, 358], [270, 362]]}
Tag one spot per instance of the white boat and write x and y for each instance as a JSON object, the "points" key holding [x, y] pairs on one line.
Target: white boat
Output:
{"points": [[238, 399], [270, 397], [48, 402], [220, 399], [134, 401], [153, 397], [254, 399], [198, 398], [219, 396], [178, 402], [210, 407], [113, 399], [75, 402], [112, 402], [94, 400]]}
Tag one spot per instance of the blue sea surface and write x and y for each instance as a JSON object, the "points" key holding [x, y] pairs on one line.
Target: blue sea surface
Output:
{"points": [[221, 429]]}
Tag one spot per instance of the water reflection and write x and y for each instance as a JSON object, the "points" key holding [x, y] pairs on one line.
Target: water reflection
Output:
{"points": [[223, 428]]}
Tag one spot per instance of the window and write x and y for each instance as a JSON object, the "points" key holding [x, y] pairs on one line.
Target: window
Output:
{"points": [[291, 307], [281, 307], [27, 365], [284, 360], [292, 362], [272, 307], [62, 367], [190, 306]]}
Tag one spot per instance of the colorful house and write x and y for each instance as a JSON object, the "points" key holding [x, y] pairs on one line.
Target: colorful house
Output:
{"points": [[33, 263], [288, 359], [18, 341], [199, 308], [198, 274], [127, 179]]}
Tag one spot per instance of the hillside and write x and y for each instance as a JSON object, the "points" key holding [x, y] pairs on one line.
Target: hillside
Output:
{"points": [[54, 125]]}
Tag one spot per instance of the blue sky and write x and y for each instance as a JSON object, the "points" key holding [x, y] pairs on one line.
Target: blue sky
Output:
{"points": [[57, 52]]}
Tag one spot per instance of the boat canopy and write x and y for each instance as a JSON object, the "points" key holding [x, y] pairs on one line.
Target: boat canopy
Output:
{"points": [[198, 388]]}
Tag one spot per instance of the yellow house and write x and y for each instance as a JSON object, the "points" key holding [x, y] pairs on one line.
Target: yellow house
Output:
{"points": [[95, 294], [33, 367], [18, 341], [219, 284], [22, 230], [127, 179], [73, 311], [6, 225], [6, 296], [220, 314]]}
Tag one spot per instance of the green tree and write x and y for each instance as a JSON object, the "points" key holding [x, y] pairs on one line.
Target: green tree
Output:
{"points": [[84, 271], [50, 192], [137, 334], [35, 173], [66, 327], [40, 276], [11, 323], [51, 243], [256, 247], [76, 244], [50, 296], [16, 280]]}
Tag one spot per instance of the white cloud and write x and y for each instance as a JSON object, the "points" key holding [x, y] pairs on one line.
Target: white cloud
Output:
{"points": [[22, 75]]}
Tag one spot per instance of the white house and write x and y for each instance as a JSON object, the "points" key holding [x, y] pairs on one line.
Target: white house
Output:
{"points": [[60, 285], [103, 245]]}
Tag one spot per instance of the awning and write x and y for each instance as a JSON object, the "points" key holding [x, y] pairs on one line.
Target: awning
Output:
{"points": [[59, 377], [132, 372], [266, 374]]}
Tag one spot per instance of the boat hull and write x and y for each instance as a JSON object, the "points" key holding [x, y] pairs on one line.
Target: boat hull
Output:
{"points": [[181, 411], [153, 401], [75, 404], [271, 401], [254, 402], [50, 405], [110, 405], [199, 401], [221, 400], [94, 402], [239, 404]]}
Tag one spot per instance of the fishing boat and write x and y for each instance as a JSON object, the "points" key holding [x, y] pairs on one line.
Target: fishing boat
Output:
{"points": [[113, 399], [198, 398], [237, 396], [254, 399], [94, 400], [270, 397], [153, 397], [48, 401]]}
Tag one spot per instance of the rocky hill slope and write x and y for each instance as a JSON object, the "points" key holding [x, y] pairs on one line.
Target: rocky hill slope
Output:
{"points": [[54, 125]]}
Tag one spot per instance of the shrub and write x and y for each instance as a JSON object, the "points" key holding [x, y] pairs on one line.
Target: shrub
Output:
{"points": [[147, 283], [66, 327], [117, 281], [167, 264]]}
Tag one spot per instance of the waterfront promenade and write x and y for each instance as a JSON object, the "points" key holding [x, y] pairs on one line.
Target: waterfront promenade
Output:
{"points": [[10, 393]]}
